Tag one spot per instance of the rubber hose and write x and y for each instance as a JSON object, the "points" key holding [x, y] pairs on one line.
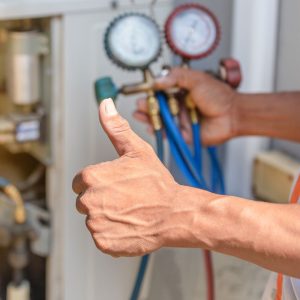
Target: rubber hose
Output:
{"points": [[140, 278], [197, 146], [210, 288], [145, 259], [217, 170], [178, 140]]}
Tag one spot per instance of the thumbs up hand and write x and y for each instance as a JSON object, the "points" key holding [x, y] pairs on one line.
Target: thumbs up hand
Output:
{"points": [[129, 200]]}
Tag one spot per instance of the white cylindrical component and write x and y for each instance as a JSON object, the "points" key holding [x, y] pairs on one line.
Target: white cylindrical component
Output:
{"points": [[254, 44], [23, 66], [21, 292]]}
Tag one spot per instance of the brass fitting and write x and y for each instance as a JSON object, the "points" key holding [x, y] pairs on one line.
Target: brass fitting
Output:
{"points": [[141, 87], [173, 105], [190, 104], [153, 110], [14, 195]]}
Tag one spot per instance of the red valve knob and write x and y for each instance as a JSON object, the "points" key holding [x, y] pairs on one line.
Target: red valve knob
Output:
{"points": [[230, 72]]}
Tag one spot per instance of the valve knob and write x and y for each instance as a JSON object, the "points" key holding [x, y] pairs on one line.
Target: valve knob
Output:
{"points": [[105, 88], [230, 72]]}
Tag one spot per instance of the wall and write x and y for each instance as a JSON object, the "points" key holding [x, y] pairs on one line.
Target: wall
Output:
{"points": [[288, 64], [254, 43]]}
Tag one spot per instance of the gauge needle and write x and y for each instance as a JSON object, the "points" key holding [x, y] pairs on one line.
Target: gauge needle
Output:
{"points": [[191, 32], [134, 45]]}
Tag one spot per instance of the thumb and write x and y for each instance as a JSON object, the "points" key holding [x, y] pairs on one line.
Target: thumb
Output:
{"points": [[117, 129]]}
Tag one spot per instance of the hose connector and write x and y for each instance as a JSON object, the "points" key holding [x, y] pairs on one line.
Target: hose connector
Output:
{"points": [[153, 111], [14, 195], [190, 104], [173, 105]]}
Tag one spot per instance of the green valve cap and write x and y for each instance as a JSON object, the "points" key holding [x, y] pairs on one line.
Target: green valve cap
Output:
{"points": [[105, 88]]}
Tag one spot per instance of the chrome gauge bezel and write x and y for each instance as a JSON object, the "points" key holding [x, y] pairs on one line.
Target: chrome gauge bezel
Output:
{"points": [[115, 57]]}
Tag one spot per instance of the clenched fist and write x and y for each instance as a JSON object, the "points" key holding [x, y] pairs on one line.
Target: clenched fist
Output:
{"points": [[129, 200], [215, 101]]}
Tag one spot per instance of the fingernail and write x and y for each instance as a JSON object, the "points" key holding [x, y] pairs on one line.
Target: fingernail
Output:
{"points": [[110, 108]]}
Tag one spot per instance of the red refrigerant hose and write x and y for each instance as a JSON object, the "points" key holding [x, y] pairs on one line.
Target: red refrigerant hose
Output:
{"points": [[210, 288]]}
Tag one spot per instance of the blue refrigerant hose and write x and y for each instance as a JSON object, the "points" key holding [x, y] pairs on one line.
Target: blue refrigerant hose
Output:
{"points": [[189, 165], [176, 136], [218, 184], [197, 146], [145, 259], [180, 162], [217, 179], [140, 277]]}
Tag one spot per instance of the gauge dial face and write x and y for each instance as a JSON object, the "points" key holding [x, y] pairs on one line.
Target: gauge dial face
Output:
{"points": [[192, 31], [133, 41]]}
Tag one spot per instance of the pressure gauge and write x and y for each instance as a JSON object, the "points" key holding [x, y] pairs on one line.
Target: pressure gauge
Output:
{"points": [[133, 41], [192, 31]]}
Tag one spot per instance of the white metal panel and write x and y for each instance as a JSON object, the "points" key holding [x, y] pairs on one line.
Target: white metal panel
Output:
{"points": [[288, 67], [55, 173], [88, 273], [12, 9], [254, 43]]}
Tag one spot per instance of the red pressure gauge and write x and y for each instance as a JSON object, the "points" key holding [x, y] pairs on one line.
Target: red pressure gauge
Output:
{"points": [[192, 31]]}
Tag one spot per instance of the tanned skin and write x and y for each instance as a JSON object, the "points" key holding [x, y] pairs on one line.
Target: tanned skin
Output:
{"points": [[134, 206]]}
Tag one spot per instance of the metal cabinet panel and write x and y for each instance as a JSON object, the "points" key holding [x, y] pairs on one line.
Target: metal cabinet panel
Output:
{"points": [[88, 273], [288, 64]]}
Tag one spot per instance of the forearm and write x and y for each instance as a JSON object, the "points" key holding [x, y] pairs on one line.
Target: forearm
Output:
{"points": [[263, 233], [274, 115]]}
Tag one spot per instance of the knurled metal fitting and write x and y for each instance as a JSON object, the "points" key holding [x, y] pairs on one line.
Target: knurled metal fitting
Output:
{"points": [[153, 110], [173, 105], [190, 104]]}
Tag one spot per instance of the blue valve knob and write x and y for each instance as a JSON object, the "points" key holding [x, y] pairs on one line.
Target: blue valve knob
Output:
{"points": [[105, 88]]}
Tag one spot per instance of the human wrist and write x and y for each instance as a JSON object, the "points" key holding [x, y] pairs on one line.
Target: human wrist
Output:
{"points": [[237, 114], [187, 224]]}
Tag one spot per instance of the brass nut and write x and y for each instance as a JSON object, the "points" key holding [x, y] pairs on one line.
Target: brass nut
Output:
{"points": [[153, 110], [156, 122], [153, 107], [190, 104], [174, 107], [194, 116]]}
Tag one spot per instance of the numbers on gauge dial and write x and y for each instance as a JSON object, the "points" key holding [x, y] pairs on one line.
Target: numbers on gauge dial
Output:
{"points": [[193, 32], [134, 40]]}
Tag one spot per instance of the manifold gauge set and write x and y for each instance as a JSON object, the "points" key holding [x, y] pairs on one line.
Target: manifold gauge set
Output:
{"points": [[133, 41]]}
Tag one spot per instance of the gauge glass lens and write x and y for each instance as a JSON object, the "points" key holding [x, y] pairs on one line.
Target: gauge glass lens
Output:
{"points": [[134, 41], [193, 31]]}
